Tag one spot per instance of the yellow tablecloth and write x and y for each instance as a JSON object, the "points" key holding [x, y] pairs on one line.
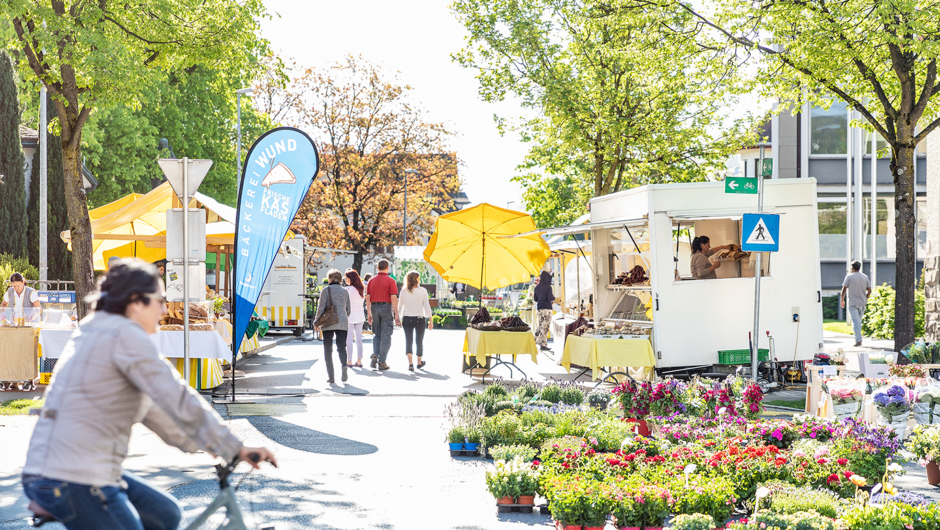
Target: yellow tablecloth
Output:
{"points": [[203, 373], [597, 353], [493, 343]]}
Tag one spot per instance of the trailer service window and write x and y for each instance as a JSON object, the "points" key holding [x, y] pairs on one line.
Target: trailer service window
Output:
{"points": [[720, 232]]}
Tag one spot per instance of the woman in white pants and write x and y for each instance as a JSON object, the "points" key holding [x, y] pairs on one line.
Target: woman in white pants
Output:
{"points": [[356, 317]]}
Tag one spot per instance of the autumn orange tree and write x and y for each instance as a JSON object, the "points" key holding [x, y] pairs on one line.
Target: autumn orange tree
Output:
{"points": [[369, 132]]}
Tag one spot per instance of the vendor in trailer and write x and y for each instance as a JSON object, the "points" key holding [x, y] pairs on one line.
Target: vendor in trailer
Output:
{"points": [[702, 268], [20, 296]]}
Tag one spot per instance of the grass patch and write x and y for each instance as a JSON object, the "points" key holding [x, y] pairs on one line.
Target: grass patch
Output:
{"points": [[19, 407], [792, 403], [837, 326]]}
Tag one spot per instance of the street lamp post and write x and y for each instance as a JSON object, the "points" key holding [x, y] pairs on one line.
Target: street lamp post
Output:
{"points": [[404, 231], [238, 145]]}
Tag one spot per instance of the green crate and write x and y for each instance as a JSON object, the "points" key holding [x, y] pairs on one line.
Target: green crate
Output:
{"points": [[741, 356]]}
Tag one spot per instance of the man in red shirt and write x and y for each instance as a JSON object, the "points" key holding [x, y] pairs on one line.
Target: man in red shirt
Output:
{"points": [[382, 304]]}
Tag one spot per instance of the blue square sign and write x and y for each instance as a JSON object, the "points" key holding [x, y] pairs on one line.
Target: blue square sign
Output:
{"points": [[760, 232]]}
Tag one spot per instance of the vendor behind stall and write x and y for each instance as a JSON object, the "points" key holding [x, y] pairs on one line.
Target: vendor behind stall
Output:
{"points": [[20, 296], [702, 268]]}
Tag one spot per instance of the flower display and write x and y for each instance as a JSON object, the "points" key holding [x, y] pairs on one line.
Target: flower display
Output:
{"points": [[894, 406]]}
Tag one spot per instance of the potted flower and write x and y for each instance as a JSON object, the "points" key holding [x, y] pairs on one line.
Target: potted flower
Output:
{"points": [[473, 438], [926, 406], [847, 396], [456, 438], [502, 482], [528, 483], [635, 400], [925, 444], [894, 407], [694, 521], [599, 399]]}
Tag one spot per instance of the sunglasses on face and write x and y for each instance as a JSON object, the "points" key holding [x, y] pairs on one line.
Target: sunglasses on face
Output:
{"points": [[159, 298]]}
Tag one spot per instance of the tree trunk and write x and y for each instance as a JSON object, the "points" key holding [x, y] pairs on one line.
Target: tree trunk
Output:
{"points": [[902, 168], [357, 262], [79, 224]]}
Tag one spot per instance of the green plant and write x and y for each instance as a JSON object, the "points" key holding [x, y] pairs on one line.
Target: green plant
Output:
{"points": [[501, 429], [526, 391], [511, 478], [506, 405], [693, 521], [462, 322], [10, 264], [474, 435], [892, 515], [19, 407], [571, 395], [509, 452], [550, 392], [830, 307], [456, 434], [924, 442], [769, 520], [496, 390], [788, 499], [878, 322], [713, 496]]}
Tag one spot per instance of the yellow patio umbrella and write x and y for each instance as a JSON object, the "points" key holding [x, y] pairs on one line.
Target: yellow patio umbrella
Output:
{"points": [[470, 246]]}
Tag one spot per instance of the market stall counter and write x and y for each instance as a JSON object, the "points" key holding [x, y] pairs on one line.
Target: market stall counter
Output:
{"points": [[485, 346], [18, 359], [605, 355], [207, 351]]}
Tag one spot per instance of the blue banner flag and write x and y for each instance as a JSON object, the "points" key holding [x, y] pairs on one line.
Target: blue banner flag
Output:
{"points": [[279, 169]]}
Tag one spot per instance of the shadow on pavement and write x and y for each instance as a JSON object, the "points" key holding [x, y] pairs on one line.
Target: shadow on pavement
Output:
{"points": [[308, 440]]}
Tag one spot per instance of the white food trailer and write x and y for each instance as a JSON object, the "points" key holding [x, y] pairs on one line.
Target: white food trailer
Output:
{"points": [[282, 301], [691, 320]]}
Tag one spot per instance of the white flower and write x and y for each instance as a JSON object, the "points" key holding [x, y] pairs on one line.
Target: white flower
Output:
{"points": [[894, 468]]}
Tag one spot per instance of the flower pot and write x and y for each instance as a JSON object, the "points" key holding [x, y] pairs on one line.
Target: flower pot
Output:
{"points": [[933, 473], [563, 526], [470, 446], [526, 499], [593, 528], [629, 528], [641, 427], [456, 447], [504, 500]]}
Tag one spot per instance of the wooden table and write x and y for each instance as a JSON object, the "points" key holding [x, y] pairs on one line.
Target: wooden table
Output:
{"points": [[19, 360], [601, 355], [484, 346]]}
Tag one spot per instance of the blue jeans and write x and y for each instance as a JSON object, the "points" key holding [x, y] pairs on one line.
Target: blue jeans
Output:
{"points": [[77, 506], [857, 311], [383, 324]]}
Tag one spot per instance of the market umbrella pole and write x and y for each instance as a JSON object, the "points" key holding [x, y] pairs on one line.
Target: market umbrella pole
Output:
{"points": [[482, 269]]}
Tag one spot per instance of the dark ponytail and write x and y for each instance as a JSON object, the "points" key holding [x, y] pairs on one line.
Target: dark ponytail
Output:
{"points": [[698, 242], [125, 283]]}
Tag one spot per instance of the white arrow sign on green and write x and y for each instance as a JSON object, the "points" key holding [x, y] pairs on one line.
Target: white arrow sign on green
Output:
{"points": [[740, 185]]}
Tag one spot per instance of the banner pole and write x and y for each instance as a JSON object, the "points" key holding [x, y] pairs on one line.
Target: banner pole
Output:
{"points": [[186, 251], [758, 270]]}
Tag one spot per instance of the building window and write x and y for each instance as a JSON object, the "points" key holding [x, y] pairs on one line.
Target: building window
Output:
{"points": [[884, 219], [828, 130], [831, 230], [881, 144]]}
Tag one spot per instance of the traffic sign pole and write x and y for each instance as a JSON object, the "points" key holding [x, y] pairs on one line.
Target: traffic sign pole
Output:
{"points": [[757, 273]]}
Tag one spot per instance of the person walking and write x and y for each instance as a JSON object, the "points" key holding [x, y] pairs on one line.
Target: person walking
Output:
{"points": [[415, 311], [382, 306], [357, 317], [544, 298], [110, 377], [335, 296], [858, 288]]}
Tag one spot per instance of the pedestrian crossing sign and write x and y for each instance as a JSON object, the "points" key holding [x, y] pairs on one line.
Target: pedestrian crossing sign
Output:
{"points": [[760, 232]]}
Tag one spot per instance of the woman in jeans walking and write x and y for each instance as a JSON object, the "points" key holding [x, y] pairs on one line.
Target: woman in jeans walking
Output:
{"points": [[415, 311], [336, 296], [357, 317]]}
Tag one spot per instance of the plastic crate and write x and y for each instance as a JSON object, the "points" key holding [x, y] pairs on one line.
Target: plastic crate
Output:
{"points": [[741, 356]]}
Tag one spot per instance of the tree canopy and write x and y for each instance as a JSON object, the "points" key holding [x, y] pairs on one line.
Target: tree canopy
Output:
{"points": [[879, 57], [12, 162], [369, 132], [625, 88], [93, 54]]}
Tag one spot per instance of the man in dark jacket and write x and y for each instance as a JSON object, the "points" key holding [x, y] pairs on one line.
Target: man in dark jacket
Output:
{"points": [[544, 298]]}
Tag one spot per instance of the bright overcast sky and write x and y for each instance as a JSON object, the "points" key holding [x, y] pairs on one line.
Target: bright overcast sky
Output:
{"points": [[415, 38]]}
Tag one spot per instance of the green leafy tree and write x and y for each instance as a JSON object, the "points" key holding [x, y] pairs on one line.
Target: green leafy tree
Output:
{"points": [[96, 54], [12, 162], [58, 256], [623, 86], [879, 57]]}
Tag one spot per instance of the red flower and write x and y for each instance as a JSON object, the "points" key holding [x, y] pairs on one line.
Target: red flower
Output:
{"points": [[833, 479], [842, 461], [847, 474]]}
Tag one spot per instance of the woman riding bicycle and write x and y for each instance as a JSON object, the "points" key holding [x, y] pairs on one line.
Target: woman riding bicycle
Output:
{"points": [[109, 377]]}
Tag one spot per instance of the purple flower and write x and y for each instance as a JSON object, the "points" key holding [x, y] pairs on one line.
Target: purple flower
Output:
{"points": [[897, 390]]}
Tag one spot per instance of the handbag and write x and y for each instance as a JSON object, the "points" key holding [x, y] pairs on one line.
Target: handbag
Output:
{"points": [[328, 316]]}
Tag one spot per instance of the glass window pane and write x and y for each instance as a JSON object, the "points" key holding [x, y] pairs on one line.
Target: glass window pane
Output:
{"points": [[921, 216], [881, 220], [828, 130], [881, 144], [831, 230]]}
